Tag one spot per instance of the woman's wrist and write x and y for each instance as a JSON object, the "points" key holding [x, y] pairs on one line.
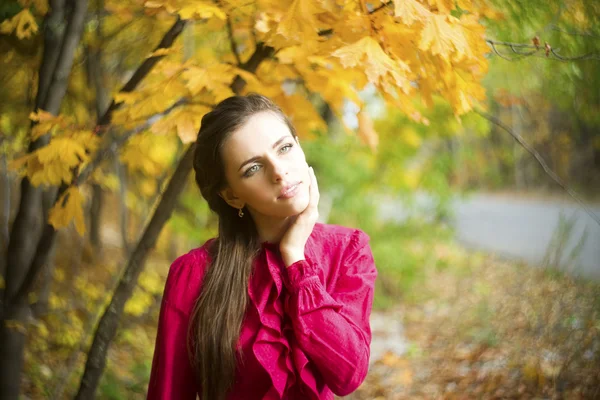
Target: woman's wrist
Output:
{"points": [[291, 256]]}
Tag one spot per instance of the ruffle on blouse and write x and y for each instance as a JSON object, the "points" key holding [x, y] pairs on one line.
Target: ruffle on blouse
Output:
{"points": [[275, 348]]}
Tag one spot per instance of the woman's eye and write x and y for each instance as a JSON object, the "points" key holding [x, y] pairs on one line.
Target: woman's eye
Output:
{"points": [[251, 170], [287, 146]]}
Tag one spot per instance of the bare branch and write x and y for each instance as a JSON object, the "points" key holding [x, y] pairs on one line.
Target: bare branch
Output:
{"points": [[518, 47], [232, 41], [541, 161]]}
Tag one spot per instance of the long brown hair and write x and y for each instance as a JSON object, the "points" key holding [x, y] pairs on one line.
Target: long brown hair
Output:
{"points": [[219, 311]]}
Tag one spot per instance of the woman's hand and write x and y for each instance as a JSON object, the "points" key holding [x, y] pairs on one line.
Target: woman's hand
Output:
{"points": [[293, 241]]}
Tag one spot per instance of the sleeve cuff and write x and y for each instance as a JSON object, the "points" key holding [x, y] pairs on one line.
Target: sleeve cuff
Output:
{"points": [[299, 274]]}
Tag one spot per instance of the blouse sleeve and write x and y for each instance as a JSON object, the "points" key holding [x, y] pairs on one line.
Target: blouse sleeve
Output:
{"points": [[332, 328], [172, 375]]}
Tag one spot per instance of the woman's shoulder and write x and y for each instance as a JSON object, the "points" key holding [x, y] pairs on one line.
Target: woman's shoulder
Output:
{"points": [[337, 240], [185, 277], [338, 234]]}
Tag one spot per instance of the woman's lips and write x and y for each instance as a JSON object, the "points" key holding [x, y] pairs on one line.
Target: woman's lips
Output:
{"points": [[290, 191]]}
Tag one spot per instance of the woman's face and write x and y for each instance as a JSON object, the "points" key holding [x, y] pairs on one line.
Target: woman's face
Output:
{"points": [[262, 158]]}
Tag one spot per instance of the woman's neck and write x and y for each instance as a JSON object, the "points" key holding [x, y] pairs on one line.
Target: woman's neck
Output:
{"points": [[271, 229]]}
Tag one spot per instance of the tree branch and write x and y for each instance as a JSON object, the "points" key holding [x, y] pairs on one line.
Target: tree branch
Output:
{"points": [[541, 161], [327, 32], [515, 47], [60, 77], [382, 6], [232, 42], [54, 30], [115, 144], [144, 68], [261, 53]]}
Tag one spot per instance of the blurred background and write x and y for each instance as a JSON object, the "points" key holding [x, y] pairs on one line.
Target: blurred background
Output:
{"points": [[463, 137]]}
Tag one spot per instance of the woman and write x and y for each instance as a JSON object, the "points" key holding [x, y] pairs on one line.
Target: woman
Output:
{"points": [[277, 306]]}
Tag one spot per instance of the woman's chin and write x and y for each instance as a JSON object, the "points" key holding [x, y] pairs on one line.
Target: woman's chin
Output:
{"points": [[292, 208]]}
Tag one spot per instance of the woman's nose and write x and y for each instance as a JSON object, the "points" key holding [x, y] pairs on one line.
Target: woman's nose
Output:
{"points": [[279, 169]]}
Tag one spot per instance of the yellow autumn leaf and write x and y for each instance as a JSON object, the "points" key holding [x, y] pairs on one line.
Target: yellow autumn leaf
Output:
{"points": [[127, 97], [444, 36], [147, 186], [53, 163], [299, 22], [139, 302], [151, 282], [368, 54], [465, 4], [410, 11], [106, 180], [69, 207], [367, 131], [164, 51], [352, 27], [64, 150], [216, 78], [46, 122], [88, 139], [169, 6], [148, 154], [143, 105], [196, 9], [23, 24], [443, 6], [185, 120], [41, 116], [301, 112]]}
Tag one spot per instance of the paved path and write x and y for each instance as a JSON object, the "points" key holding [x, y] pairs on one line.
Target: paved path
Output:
{"points": [[516, 228], [387, 334]]}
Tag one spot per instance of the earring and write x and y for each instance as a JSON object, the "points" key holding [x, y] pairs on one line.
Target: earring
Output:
{"points": [[240, 213]]}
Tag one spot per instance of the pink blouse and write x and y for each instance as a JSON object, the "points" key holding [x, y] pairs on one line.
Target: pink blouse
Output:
{"points": [[306, 333]]}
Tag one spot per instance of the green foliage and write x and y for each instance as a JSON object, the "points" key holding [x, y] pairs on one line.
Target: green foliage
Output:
{"points": [[192, 220]]}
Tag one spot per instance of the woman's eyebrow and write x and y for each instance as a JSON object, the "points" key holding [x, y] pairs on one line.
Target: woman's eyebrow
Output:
{"points": [[258, 157]]}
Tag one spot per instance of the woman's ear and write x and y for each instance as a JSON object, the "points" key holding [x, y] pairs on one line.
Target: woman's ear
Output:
{"points": [[230, 198]]}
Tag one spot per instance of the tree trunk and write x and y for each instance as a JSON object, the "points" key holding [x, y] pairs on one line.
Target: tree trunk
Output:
{"points": [[124, 212], [12, 343], [6, 184], [61, 38], [95, 214], [107, 327], [519, 160], [96, 78]]}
